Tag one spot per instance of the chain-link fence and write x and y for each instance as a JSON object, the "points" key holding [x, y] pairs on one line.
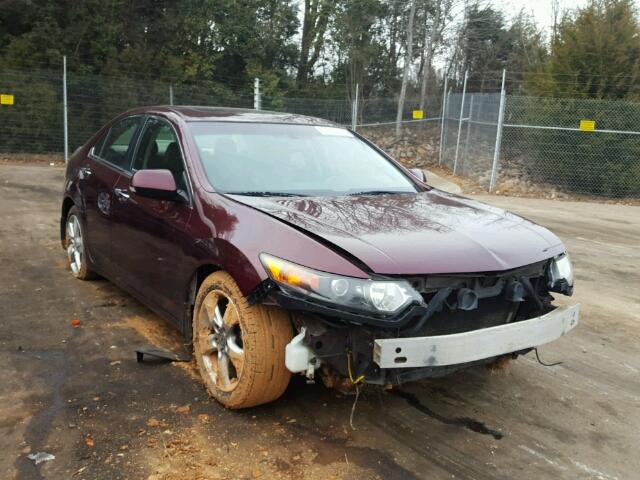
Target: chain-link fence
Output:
{"points": [[33, 120], [544, 143], [573, 145], [31, 113], [469, 134]]}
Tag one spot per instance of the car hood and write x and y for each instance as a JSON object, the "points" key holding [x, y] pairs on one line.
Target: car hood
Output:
{"points": [[416, 233]]}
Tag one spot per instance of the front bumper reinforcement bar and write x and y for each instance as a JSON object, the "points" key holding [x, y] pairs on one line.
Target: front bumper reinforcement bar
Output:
{"points": [[475, 345]]}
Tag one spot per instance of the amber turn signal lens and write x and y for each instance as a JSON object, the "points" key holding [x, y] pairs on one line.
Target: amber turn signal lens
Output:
{"points": [[290, 274]]}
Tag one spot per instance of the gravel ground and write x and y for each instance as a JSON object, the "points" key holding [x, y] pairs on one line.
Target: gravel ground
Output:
{"points": [[79, 394]]}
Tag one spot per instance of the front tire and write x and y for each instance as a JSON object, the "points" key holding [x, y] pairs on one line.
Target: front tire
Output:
{"points": [[239, 348], [74, 241]]}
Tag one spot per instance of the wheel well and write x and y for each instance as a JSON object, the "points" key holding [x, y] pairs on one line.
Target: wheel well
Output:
{"points": [[200, 274], [203, 272], [67, 203]]}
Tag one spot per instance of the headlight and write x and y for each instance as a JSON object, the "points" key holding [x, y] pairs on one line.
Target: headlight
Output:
{"points": [[561, 270], [377, 296]]}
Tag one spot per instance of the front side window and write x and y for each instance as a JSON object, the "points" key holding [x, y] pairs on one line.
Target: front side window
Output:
{"points": [[292, 159], [118, 143], [159, 149]]}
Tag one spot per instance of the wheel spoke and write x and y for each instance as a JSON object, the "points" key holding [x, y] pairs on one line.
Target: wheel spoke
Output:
{"points": [[76, 228], [236, 354], [233, 345], [208, 310], [209, 345], [204, 346], [77, 258], [217, 318], [230, 316], [223, 370]]}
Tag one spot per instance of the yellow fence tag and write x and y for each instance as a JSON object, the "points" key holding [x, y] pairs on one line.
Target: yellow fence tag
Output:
{"points": [[587, 125], [418, 114], [6, 99]]}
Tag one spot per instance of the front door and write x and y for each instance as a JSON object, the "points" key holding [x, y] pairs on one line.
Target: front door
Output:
{"points": [[98, 176], [151, 237]]}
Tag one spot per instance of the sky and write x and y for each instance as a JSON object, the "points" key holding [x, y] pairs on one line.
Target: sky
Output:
{"points": [[541, 9]]}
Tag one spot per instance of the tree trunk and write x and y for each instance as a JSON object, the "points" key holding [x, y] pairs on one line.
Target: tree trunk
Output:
{"points": [[431, 42], [407, 64], [314, 26], [393, 36]]}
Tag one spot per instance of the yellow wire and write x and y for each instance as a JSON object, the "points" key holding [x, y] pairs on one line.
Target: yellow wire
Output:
{"points": [[357, 380]]}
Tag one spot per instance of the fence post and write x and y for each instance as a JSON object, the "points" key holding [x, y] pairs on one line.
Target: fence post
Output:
{"points": [[464, 91], [442, 120], [170, 94], [444, 135], [466, 142], [64, 109], [354, 110], [496, 151], [257, 99]]}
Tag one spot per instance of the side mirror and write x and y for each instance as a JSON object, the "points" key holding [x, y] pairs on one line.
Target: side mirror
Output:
{"points": [[158, 184], [419, 174]]}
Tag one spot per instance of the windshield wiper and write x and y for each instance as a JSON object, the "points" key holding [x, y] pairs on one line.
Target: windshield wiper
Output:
{"points": [[376, 192], [266, 194]]}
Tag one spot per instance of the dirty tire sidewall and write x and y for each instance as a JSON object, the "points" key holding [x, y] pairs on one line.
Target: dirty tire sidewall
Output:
{"points": [[266, 330], [84, 273]]}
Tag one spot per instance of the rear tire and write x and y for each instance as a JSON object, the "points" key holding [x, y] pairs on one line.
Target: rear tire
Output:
{"points": [[74, 241], [239, 348]]}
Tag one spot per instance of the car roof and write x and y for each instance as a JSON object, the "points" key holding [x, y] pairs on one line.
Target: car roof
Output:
{"points": [[225, 114]]}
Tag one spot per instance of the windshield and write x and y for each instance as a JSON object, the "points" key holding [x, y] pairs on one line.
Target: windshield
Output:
{"points": [[280, 159]]}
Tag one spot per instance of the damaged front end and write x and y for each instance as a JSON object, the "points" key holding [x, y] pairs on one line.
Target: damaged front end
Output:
{"points": [[389, 330]]}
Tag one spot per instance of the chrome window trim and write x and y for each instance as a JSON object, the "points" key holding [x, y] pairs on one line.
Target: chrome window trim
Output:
{"points": [[92, 154]]}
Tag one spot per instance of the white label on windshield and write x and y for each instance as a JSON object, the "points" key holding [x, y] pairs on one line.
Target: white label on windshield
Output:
{"points": [[336, 132]]}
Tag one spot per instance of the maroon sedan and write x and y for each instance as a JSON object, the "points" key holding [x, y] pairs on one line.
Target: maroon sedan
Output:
{"points": [[283, 244]]}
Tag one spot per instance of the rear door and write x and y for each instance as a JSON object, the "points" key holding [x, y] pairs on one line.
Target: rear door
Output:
{"points": [[97, 178], [152, 241]]}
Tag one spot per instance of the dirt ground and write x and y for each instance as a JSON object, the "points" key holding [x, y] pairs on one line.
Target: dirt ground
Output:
{"points": [[79, 394]]}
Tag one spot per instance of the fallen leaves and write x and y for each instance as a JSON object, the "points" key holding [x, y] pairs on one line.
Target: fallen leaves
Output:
{"points": [[153, 422]]}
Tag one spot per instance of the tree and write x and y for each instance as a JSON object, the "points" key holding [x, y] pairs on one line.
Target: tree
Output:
{"points": [[359, 43], [527, 56], [433, 37], [597, 52], [407, 64], [485, 47], [314, 27]]}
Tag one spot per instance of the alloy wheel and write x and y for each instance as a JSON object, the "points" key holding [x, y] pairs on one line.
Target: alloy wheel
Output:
{"points": [[220, 340], [75, 246]]}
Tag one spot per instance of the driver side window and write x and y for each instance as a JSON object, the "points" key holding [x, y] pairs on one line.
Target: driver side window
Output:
{"points": [[116, 146], [159, 149]]}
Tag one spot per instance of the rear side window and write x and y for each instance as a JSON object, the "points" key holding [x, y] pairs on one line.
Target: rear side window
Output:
{"points": [[117, 145]]}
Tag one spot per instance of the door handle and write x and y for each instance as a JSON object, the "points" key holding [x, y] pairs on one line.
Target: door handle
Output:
{"points": [[122, 194], [84, 172]]}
